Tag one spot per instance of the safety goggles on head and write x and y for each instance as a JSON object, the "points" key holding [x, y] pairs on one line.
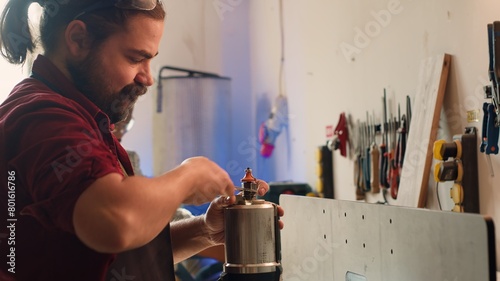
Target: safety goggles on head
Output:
{"points": [[143, 5]]}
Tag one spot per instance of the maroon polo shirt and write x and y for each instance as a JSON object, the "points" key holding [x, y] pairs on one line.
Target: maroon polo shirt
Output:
{"points": [[54, 143]]}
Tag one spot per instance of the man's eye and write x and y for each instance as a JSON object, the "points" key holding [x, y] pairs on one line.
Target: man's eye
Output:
{"points": [[136, 60]]}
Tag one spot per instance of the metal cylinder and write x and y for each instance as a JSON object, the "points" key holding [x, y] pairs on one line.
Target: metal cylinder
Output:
{"points": [[251, 244]]}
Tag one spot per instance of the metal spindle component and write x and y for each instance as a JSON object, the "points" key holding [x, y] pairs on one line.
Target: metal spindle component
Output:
{"points": [[252, 237]]}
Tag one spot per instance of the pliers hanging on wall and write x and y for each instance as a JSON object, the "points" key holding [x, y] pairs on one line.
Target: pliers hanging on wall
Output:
{"points": [[494, 70], [400, 152], [491, 121], [401, 143], [490, 130], [393, 170]]}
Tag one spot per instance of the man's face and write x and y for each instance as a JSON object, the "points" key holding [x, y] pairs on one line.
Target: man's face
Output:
{"points": [[117, 72]]}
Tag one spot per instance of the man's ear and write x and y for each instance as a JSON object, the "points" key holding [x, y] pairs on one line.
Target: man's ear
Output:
{"points": [[77, 38]]}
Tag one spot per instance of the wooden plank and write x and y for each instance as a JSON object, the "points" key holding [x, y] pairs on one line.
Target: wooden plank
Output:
{"points": [[426, 110]]}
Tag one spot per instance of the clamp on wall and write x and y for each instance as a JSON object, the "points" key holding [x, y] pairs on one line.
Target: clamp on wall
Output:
{"points": [[459, 164]]}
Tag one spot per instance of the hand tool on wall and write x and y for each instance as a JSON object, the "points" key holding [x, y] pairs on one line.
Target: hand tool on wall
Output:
{"points": [[490, 129], [491, 146], [341, 135], [389, 153], [383, 148], [484, 130], [408, 113], [367, 155], [393, 177], [489, 138], [496, 64], [490, 117], [401, 143], [491, 65], [358, 167], [399, 153], [363, 156], [375, 157]]}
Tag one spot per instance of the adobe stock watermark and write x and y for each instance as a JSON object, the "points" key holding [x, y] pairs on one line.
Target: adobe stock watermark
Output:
{"points": [[64, 166], [251, 146], [121, 276], [91, 139], [223, 6], [248, 148], [363, 37]]}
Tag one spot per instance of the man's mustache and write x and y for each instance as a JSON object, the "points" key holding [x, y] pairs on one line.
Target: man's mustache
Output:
{"points": [[133, 91]]}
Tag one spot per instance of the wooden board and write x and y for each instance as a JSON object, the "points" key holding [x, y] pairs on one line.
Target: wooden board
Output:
{"points": [[426, 110], [323, 239]]}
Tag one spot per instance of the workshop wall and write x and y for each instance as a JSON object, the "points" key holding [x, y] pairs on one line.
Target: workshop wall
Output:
{"points": [[341, 54], [10, 75], [191, 40]]}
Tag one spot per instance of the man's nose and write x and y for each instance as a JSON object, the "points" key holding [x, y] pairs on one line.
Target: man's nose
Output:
{"points": [[144, 77]]}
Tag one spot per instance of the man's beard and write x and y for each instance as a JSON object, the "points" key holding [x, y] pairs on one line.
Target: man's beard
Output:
{"points": [[90, 78]]}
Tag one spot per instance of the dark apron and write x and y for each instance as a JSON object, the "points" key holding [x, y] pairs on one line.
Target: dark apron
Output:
{"points": [[151, 262]]}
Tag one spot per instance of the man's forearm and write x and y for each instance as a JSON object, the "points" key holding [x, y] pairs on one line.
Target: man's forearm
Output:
{"points": [[189, 237]]}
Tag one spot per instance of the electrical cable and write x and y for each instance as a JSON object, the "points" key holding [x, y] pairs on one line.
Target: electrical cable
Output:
{"points": [[282, 62], [437, 196]]}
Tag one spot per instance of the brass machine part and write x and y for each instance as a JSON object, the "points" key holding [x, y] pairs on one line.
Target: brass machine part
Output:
{"points": [[249, 185]]}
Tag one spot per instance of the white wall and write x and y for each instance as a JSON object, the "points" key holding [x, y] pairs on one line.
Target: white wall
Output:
{"points": [[191, 40], [11, 74]]}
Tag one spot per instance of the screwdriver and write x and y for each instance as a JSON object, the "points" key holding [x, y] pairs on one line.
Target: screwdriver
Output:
{"points": [[367, 162], [383, 149], [375, 155], [358, 173], [394, 179]]}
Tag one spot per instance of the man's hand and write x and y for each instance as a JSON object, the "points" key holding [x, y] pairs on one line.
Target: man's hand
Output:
{"points": [[206, 180], [214, 218]]}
